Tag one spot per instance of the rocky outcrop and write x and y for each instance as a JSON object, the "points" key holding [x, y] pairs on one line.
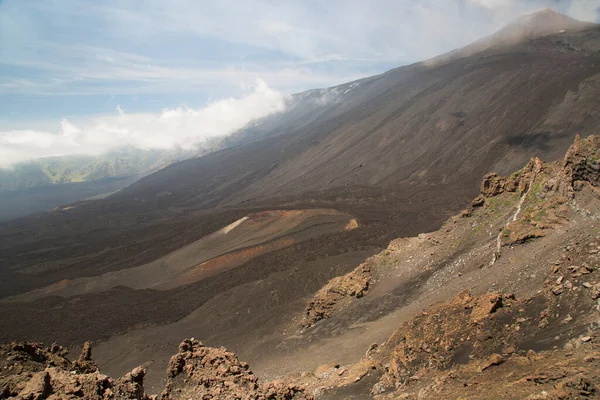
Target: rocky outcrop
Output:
{"points": [[446, 332], [85, 364], [29, 371], [492, 185], [486, 332], [202, 372], [485, 305], [546, 188], [336, 293], [581, 165]]}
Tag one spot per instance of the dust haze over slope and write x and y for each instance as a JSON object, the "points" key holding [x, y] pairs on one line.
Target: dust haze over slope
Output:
{"points": [[399, 152]]}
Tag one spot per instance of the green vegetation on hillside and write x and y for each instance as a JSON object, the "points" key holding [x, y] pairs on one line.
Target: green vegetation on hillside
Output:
{"points": [[65, 169]]}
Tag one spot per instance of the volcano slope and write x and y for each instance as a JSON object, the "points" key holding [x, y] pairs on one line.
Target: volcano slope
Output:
{"points": [[398, 153], [517, 276], [227, 248]]}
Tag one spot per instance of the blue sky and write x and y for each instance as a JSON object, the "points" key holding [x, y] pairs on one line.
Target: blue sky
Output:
{"points": [[77, 60]]}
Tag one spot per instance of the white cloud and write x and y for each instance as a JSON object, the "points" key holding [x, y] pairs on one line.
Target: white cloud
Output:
{"points": [[81, 70], [180, 126], [276, 27], [104, 37]]}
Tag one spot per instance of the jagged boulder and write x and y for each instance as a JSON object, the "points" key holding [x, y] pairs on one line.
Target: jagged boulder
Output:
{"points": [[202, 372], [30, 371], [447, 332], [581, 164], [492, 185], [335, 293], [85, 363], [549, 187], [478, 201], [198, 371], [485, 305]]}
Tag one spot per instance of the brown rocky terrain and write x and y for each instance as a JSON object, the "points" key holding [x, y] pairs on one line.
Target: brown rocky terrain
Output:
{"points": [[203, 372], [334, 294], [29, 371]]}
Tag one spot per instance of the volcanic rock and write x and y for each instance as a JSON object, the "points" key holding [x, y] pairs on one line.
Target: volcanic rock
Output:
{"points": [[202, 372], [333, 295]]}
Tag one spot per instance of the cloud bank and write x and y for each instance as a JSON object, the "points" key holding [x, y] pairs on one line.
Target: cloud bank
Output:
{"points": [[86, 57], [181, 126]]}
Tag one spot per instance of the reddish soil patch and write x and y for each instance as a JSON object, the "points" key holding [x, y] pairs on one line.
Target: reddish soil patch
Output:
{"points": [[225, 262]]}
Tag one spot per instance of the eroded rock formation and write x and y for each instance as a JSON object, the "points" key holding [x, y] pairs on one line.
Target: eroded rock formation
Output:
{"points": [[335, 293], [30, 371]]}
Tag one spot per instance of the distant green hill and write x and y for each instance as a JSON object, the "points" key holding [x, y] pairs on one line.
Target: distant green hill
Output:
{"points": [[66, 169]]}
